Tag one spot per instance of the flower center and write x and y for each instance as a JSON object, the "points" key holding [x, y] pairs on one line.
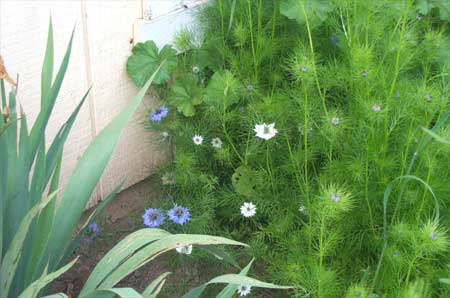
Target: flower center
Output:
{"points": [[266, 130], [179, 212], [154, 216]]}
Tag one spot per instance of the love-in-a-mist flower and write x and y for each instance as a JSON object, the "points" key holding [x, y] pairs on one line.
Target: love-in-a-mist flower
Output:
{"points": [[303, 68], [168, 179], [197, 139], [302, 209], [364, 73], [333, 39], [335, 121], [428, 97], [153, 217], [250, 88], [159, 114], [165, 134], [265, 131], [184, 249], [244, 290], [216, 143], [179, 214], [195, 69], [92, 230], [376, 108], [248, 209], [335, 197]]}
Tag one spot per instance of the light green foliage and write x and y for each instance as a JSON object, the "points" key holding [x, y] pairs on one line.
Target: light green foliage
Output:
{"points": [[185, 94], [146, 60], [222, 90], [358, 92], [301, 10]]}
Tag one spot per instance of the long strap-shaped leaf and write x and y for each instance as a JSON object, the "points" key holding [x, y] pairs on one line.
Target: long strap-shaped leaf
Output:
{"points": [[151, 251], [50, 95], [122, 251], [230, 289], [155, 286], [44, 280], [85, 177], [12, 256], [43, 226], [234, 279]]}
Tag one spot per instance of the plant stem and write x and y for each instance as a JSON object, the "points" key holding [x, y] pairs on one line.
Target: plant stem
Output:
{"points": [[269, 169], [321, 253], [255, 64], [311, 46], [369, 208]]}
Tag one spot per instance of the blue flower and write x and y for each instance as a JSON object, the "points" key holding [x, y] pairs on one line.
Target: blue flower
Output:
{"points": [[153, 217], [333, 39], [159, 114], [178, 214], [92, 230]]}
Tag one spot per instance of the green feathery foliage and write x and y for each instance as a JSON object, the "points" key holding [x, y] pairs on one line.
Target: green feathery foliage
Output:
{"points": [[352, 191]]}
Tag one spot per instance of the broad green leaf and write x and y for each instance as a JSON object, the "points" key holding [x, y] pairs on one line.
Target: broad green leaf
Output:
{"points": [[45, 279], [223, 90], [87, 173], [185, 94], [12, 256], [245, 181], [230, 289], [156, 248], [146, 59], [316, 11], [444, 9], [118, 254], [155, 286]]}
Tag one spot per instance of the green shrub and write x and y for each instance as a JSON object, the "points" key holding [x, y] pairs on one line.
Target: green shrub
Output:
{"points": [[348, 187]]}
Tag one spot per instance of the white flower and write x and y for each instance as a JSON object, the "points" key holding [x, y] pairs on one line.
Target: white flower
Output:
{"points": [[265, 131], [376, 108], [250, 88], [195, 69], [303, 68], [248, 209], [335, 121], [433, 235], [184, 249], [302, 209], [335, 197], [168, 178], [165, 134], [198, 140], [244, 290], [428, 97], [216, 143]]}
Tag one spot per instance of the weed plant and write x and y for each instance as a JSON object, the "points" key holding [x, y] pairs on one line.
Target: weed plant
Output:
{"points": [[351, 193]]}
